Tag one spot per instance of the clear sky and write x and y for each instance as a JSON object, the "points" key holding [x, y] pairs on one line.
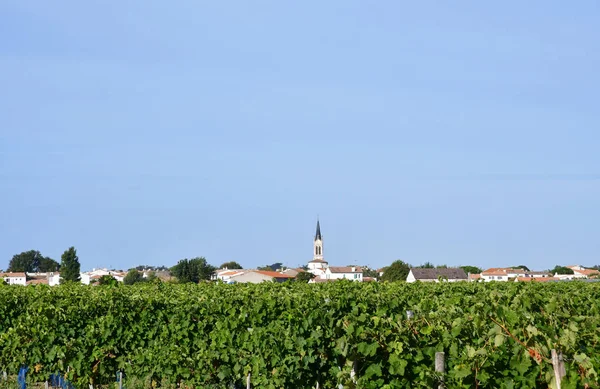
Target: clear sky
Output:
{"points": [[143, 132]]}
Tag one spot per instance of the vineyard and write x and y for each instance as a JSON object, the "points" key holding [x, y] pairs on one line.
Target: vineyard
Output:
{"points": [[295, 335]]}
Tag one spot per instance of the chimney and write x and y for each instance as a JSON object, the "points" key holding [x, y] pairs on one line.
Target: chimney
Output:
{"points": [[353, 269]]}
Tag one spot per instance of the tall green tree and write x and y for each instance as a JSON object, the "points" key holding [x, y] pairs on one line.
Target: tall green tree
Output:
{"points": [[193, 270], [32, 261], [471, 269], [48, 265], [427, 265], [70, 267], [397, 271], [133, 277], [230, 265], [561, 270]]}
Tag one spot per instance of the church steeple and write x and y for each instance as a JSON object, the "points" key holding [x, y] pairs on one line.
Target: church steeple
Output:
{"points": [[318, 234], [318, 245]]}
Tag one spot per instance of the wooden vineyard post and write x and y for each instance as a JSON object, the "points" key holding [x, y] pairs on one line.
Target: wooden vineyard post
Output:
{"points": [[559, 367], [46, 385], [120, 380], [248, 382], [440, 368], [409, 314]]}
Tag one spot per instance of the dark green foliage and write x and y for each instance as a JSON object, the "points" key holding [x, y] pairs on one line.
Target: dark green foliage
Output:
{"points": [[49, 265], [150, 267], [230, 265], [521, 267], [368, 272], [397, 271], [70, 267], [107, 280], [304, 276], [427, 265], [192, 270], [133, 277], [32, 261], [291, 335], [274, 267], [471, 269], [561, 270]]}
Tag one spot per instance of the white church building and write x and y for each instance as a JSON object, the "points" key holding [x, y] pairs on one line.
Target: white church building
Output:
{"points": [[321, 269]]}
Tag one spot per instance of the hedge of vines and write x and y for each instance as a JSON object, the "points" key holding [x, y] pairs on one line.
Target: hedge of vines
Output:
{"points": [[293, 335]]}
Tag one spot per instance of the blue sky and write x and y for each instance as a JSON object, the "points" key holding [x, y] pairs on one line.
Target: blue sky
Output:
{"points": [[145, 132]]}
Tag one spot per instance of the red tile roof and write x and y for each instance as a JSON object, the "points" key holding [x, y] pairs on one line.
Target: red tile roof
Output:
{"points": [[12, 274]]}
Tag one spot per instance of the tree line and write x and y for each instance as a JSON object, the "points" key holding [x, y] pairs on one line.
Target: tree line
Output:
{"points": [[197, 269], [33, 261]]}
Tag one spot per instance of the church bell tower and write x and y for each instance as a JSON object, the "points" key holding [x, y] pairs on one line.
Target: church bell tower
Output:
{"points": [[318, 245]]}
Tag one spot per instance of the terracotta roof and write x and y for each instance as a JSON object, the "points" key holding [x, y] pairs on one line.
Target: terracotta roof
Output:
{"points": [[433, 274], [587, 272], [230, 272], [474, 276], [38, 281], [12, 274], [273, 274], [369, 279], [538, 279], [502, 270]]}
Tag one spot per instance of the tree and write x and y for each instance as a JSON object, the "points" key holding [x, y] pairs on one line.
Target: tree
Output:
{"points": [[274, 267], [193, 270], [561, 270], [304, 276], [368, 272], [133, 277], [70, 266], [427, 265], [107, 280], [471, 269], [48, 265], [32, 261], [230, 265], [397, 271], [521, 267]]}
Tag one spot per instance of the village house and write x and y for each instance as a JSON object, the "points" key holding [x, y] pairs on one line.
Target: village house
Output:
{"points": [[435, 275], [352, 273], [258, 276], [579, 272], [226, 274], [14, 278], [94, 275], [508, 273]]}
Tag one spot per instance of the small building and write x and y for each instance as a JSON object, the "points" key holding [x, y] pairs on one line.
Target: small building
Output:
{"points": [[258, 276], [94, 275], [14, 278], [434, 275], [581, 272], [352, 273], [226, 274]]}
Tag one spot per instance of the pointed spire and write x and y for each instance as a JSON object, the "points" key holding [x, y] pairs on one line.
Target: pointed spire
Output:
{"points": [[318, 234]]}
